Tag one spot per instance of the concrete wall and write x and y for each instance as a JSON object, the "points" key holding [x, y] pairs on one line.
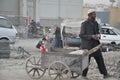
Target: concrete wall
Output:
{"points": [[54, 11], [9, 7], [118, 3], [18, 10], [115, 16], [60, 8], [14, 10], [85, 10], [50, 22], [23, 8], [31, 8]]}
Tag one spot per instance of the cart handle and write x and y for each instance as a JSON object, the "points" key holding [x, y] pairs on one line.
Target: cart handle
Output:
{"points": [[86, 52]]}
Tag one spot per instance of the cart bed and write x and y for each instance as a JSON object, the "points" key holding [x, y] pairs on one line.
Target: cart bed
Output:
{"points": [[66, 56]]}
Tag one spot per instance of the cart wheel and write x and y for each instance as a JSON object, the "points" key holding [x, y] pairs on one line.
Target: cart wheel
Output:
{"points": [[33, 67], [59, 71], [75, 75]]}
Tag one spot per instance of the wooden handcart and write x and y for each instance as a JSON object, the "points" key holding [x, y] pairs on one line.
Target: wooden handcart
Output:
{"points": [[62, 64]]}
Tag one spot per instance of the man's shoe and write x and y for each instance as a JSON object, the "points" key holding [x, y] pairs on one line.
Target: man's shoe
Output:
{"points": [[107, 76]]}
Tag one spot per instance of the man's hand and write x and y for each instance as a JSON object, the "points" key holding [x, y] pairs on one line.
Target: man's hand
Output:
{"points": [[96, 37]]}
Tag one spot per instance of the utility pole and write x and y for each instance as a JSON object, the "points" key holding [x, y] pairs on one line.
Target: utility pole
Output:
{"points": [[37, 3], [59, 12]]}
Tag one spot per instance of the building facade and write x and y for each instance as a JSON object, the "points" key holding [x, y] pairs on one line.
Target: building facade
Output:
{"points": [[10, 9], [115, 16], [109, 16], [54, 11], [51, 11], [18, 10]]}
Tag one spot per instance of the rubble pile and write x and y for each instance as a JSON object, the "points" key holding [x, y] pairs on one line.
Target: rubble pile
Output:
{"points": [[118, 70], [4, 49], [112, 62]]}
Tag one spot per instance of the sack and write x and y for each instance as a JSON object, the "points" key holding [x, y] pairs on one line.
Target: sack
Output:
{"points": [[39, 44]]}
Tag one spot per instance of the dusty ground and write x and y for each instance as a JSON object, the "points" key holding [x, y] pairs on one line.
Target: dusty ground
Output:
{"points": [[14, 68]]}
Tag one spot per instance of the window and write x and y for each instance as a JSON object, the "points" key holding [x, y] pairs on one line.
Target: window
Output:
{"points": [[117, 31], [108, 31], [71, 31], [5, 23]]}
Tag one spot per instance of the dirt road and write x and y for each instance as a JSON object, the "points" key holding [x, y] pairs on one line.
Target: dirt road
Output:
{"points": [[14, 68]]}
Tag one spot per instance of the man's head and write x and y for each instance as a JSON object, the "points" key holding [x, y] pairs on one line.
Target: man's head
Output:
{"points": [[91, 14]]}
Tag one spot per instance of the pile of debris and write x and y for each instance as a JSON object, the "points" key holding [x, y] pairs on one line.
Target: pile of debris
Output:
{"points": [[118, 70], [4, 48], [112, 61]]}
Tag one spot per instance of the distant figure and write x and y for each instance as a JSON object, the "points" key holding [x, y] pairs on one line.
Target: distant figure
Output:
{"points": [[107, 31], [104, 24], [57, 38], [33, 23], [33, 27], [44, 38], [38, 23]]}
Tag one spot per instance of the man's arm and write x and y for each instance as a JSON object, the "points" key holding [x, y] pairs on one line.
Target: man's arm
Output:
{"points": [[83, 32]]}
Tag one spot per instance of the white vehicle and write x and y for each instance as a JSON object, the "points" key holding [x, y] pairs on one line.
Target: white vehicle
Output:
{"points": [[7, 30], [110, 35], [70, 33]]}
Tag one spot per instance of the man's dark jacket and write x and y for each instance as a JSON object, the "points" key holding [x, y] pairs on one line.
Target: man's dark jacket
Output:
{"points": [[89, 28]]}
